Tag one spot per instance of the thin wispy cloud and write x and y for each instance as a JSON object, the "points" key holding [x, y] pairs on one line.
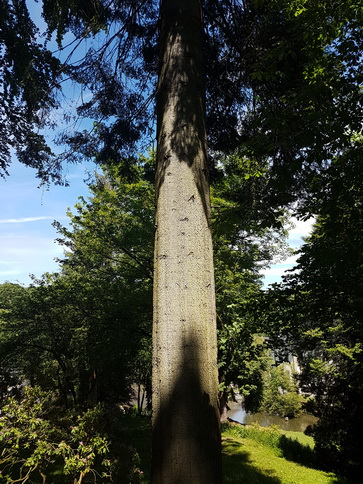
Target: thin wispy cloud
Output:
{"points": [[26, 231], [25, 254], [23, 220], [8, 273]]}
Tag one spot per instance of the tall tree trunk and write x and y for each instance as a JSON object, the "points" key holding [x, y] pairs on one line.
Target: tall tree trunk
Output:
{"points": [[186, 434]]}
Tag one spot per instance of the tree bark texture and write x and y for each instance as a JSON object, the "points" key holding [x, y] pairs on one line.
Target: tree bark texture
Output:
{"points": [[186, 433]]}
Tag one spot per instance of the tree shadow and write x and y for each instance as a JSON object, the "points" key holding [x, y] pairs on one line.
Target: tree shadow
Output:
{"points": [[238, 468], [295, 451], [186, 430]]}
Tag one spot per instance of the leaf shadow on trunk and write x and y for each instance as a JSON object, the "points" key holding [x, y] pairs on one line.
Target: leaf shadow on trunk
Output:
{"points": [[181, 100]]}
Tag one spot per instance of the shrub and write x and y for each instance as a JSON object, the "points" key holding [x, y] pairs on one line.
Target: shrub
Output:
{"points": [[39, 440]]}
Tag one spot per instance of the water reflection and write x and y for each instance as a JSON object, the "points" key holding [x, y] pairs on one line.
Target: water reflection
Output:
{"points": [[298, 424]]}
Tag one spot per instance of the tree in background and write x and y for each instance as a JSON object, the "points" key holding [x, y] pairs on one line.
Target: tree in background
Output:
{"points": [[280, 393], [318, 308], [247, 236], [85, 325], [306, 76], [110, 247]]}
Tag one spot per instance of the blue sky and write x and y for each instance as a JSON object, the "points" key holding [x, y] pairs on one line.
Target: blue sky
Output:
{"points": [[27, 236]]}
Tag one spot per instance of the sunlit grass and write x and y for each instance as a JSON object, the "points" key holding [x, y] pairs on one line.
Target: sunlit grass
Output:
{"points": [[258, 456], [251, 455], [299, 436]]}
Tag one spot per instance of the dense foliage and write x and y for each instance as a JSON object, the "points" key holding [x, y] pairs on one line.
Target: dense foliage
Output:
{"points": [[283, 81], [244, 244], [318, 312]]}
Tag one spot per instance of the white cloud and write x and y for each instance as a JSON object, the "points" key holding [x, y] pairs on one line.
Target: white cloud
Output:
{"points": [[274, 273], [23, 254], [26, 233], [278, 270], [23, 220], [4, 274], [301, 228]]}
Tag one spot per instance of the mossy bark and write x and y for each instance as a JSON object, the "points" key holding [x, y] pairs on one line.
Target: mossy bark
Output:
{"points": [[186, 434]]}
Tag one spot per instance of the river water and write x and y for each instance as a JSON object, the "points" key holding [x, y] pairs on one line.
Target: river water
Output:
{"points": [[297, 424]]}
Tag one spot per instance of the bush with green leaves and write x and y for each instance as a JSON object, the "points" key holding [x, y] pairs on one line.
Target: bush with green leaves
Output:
{"points": [[40, 442], [280, 394]]}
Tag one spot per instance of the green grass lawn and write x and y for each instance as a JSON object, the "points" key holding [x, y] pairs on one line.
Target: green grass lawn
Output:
{"points": [[260, 458], [251, 455]]}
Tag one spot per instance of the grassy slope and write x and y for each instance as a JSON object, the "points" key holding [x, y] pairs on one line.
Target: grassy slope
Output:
{"points": [[255, 460], [251, 455]]}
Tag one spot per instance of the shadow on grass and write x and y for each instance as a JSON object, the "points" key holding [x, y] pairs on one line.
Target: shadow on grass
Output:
{"points": [[295, 451], [299, 453], [237, 468]]}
